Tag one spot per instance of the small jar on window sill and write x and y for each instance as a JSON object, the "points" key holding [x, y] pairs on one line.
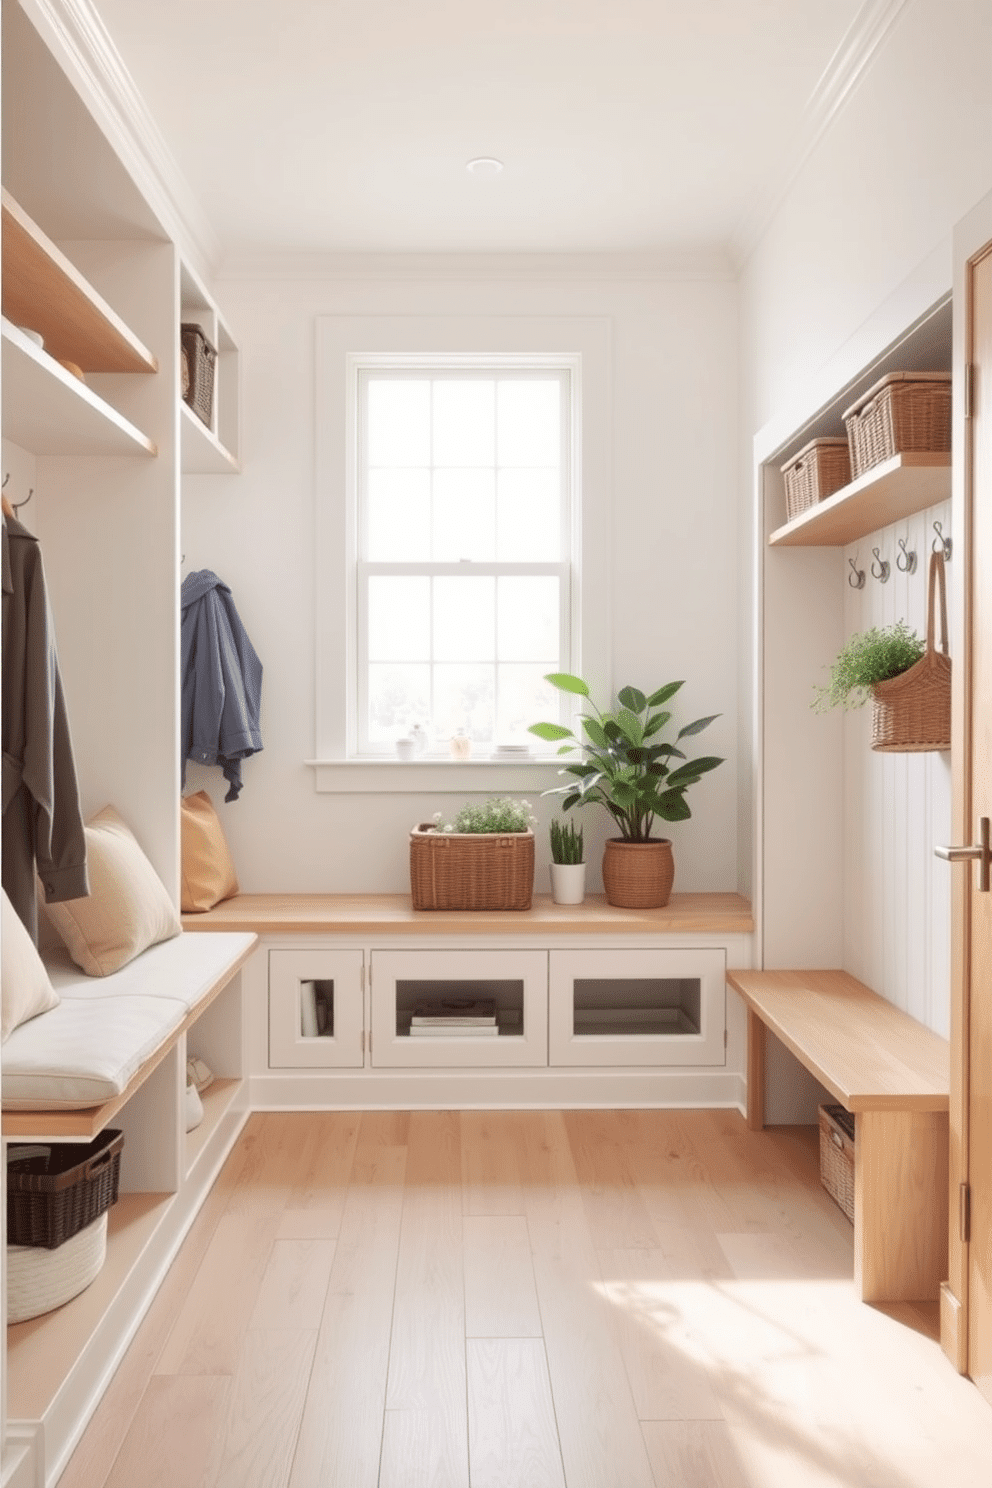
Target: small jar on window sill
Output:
{"points": [[460, 745]]}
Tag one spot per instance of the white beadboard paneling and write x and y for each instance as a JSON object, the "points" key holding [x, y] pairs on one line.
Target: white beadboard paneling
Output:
{"points": [[896, 809]]}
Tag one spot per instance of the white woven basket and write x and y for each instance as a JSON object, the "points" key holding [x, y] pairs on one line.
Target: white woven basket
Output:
{"points": [[39, 1279]]}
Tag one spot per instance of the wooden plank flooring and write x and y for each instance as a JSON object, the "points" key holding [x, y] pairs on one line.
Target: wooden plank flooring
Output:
{"points": [[603, 1299]]}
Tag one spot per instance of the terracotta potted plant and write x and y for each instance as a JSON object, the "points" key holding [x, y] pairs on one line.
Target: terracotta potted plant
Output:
{"points": [[639, 777]]}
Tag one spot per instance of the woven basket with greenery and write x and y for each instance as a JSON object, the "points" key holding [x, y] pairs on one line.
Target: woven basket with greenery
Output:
{"points": [[483, 860], [911, 713]]}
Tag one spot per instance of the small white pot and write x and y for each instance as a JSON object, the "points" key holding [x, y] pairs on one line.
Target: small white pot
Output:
{"points": [[568, 883]]}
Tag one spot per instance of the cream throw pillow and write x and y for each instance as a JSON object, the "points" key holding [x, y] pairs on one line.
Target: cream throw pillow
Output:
{"points": [[208, 869], [27, 990], [128, 908]]}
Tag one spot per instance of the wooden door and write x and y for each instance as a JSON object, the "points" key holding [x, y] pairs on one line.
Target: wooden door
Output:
{"points": [[977, 1030], [966, 1298]]}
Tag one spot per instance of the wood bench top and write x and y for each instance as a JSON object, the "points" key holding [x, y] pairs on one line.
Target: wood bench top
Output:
{"points": [[392, 914], [869, 1054]]}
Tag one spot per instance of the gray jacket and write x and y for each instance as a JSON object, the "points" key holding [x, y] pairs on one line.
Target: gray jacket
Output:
{"points": [[42, 821], [221, 680]]}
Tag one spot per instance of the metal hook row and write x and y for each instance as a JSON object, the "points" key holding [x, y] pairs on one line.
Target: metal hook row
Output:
{"points": [[881, 569]]}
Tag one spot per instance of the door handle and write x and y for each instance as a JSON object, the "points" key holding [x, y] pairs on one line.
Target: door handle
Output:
{"points": [[980, 851]]}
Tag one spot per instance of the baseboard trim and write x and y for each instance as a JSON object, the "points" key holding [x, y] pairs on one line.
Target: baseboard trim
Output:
{"points": [[530, 1090]]}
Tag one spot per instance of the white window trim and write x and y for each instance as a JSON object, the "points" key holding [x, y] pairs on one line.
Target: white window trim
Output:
{"points": [[343, 343]]}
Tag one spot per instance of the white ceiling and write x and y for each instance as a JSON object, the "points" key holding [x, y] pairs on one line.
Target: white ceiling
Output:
{"points": [[625, 126]]}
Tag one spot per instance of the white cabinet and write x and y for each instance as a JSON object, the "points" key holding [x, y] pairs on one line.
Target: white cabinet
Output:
{"points": [[316, 1017], [637, 1007], [516, 981]]}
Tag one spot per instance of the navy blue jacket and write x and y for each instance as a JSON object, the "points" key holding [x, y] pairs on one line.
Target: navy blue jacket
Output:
{"points": [[221, 680]]}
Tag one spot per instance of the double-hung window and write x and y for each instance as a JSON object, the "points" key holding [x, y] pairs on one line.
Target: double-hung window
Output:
{"points": [[464, 538]]}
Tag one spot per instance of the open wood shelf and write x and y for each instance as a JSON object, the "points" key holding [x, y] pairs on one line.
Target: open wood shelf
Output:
{"points": [[896, 489], [217, 1100], [44, 291], [50, 412], [202, 452], [42, 1352]]}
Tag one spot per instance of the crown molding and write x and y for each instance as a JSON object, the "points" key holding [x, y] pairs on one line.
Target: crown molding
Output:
{"points": [[860, 45], [89, 54], [682, 266]]}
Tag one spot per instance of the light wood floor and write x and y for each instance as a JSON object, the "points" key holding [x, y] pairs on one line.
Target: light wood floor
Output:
{"points": [[527, 1300]]}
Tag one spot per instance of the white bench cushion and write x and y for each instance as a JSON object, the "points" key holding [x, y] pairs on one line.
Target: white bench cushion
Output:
{"points": [[184, 968], [86, 1050]]}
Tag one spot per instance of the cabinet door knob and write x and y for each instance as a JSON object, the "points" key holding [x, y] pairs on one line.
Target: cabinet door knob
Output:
{"points": [[980, 852]]}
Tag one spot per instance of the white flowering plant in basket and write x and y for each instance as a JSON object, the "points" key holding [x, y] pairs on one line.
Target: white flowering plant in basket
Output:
{"points": [[498, 814]]}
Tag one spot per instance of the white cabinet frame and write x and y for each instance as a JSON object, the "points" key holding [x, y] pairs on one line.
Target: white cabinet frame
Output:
{"points": [[480, 967], [289, 970], [629, 1044]]}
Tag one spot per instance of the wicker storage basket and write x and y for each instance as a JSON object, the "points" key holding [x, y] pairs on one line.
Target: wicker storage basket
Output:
{"points": [[911, 713], [40, 1279], [837, 1156], [55, 1191], [819, 469], [471, 870], [903, 413], [199, 364]]}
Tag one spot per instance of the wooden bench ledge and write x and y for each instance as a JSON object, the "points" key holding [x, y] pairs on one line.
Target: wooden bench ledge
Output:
{"points": [[870, 1055], [392, 914], [895, 1075]]}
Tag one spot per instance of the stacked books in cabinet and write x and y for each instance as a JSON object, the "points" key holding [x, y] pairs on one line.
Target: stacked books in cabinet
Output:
{"points": [[454, 1017]]}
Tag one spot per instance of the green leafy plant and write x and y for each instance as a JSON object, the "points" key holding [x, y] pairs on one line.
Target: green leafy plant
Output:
{"points": [[628, 767], [499, 814], [566, 842], [870, 656]]}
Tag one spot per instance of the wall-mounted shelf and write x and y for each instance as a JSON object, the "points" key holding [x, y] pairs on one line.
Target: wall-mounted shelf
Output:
{"points": [[896, 489], [202, 451], [212, 450], [43, 290], [50, 412]]}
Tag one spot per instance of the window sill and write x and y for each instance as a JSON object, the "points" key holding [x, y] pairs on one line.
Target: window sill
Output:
{"points": [[433, 776]]}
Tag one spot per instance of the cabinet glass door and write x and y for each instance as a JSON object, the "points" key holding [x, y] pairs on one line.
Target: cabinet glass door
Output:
{"points": [[315, 1009], [646, 1007], [450, 1009]]}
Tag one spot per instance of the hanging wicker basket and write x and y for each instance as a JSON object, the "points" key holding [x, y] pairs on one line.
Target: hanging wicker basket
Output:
{"points": [[911, 713]]}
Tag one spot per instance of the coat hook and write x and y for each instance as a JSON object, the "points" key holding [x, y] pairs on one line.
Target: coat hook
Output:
{"points": [[18, 504], [907, 562], [882, 565], [5, 480], [941, 543], [856, 578]]}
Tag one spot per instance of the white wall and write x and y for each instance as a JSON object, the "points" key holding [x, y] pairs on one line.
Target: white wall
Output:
{"points": [[904, 161], [674, 563]]}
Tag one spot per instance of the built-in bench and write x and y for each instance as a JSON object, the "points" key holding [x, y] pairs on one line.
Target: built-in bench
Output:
{"points": [[113, 1053], [894, 1075], [67, 1073]]}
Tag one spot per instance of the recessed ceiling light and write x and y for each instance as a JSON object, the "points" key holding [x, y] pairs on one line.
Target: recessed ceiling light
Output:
{"points": [[484, 165]]}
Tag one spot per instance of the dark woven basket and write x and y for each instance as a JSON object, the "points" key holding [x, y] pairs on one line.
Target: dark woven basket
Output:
{"points": [[55, 1191], [199, 366], [471, 870]]}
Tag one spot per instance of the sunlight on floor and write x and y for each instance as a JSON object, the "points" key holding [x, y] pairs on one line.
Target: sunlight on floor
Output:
{"points": [[806, 1376]]}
